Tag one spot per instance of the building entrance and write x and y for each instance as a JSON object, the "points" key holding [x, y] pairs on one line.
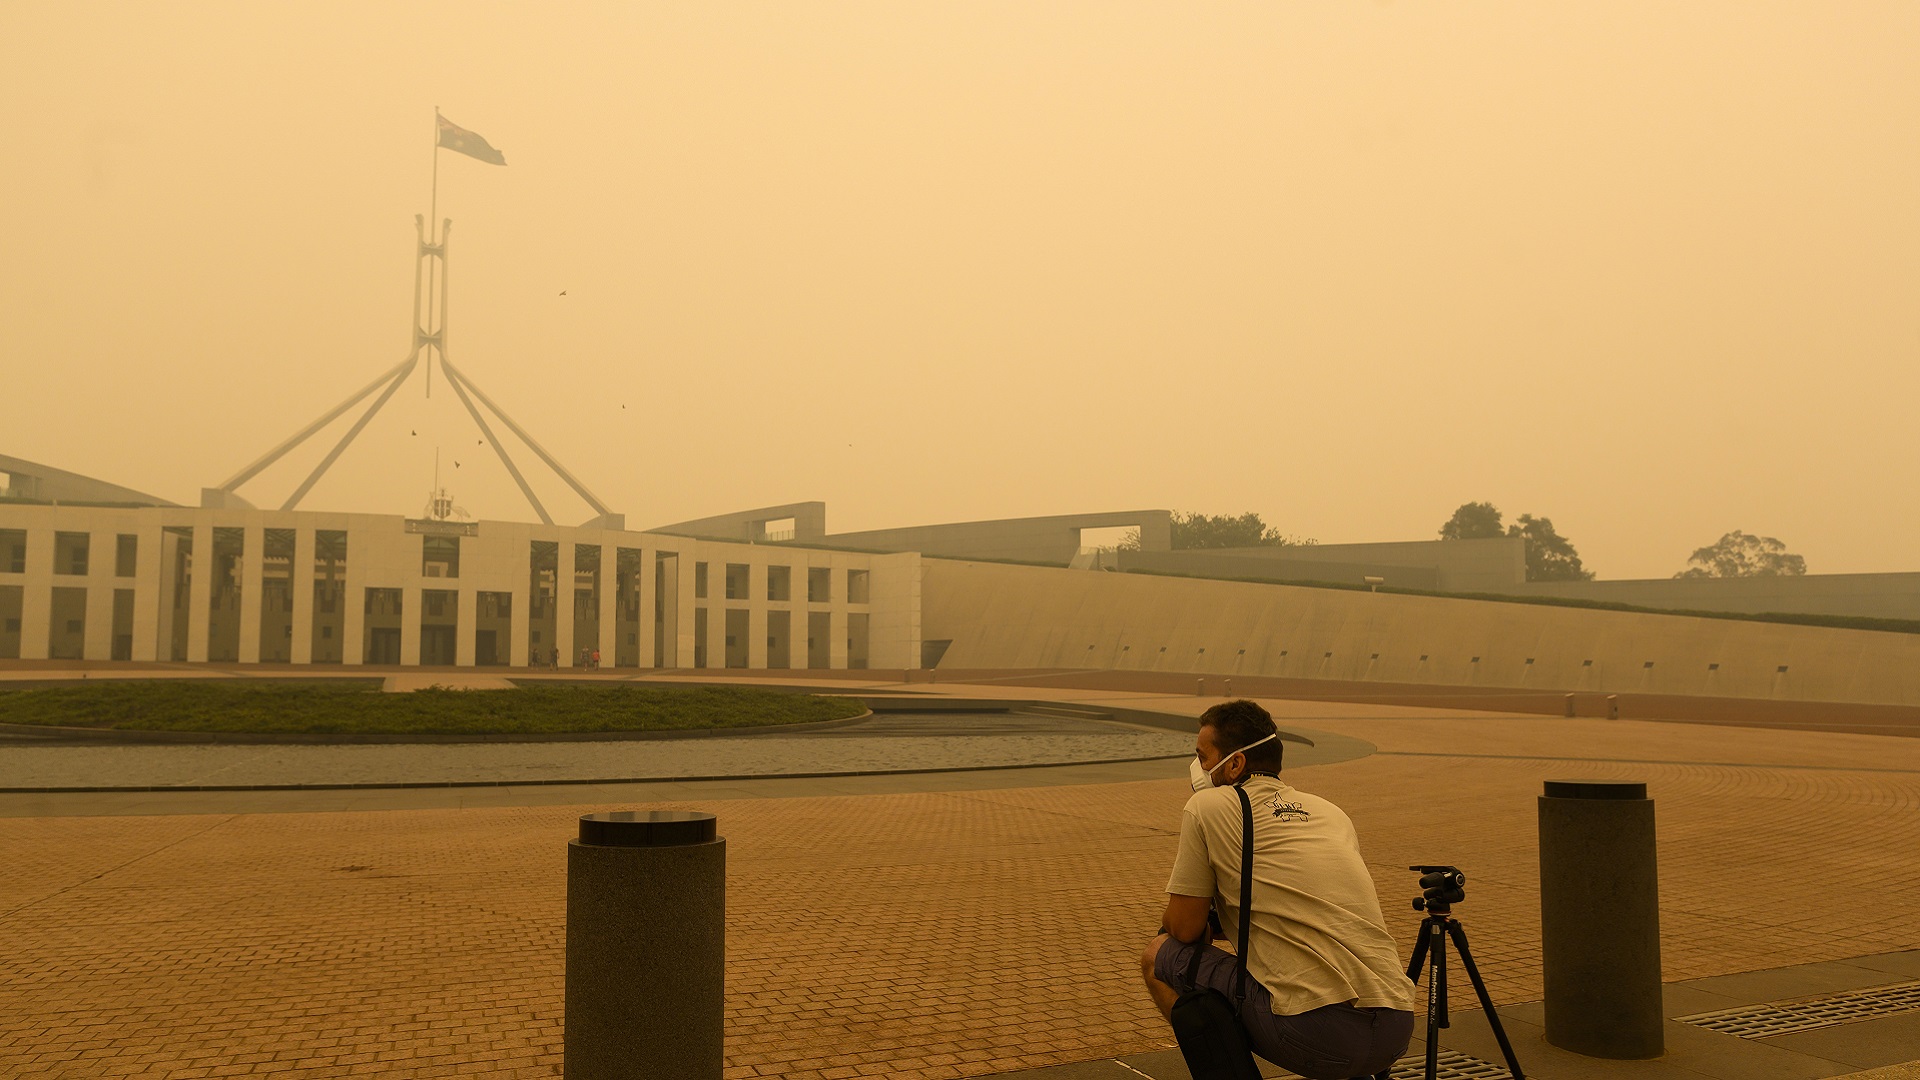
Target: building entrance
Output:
{"points": [[383, 645], [437, 644]]}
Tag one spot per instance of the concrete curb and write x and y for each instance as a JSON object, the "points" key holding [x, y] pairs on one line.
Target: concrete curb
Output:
{"points": [[32, 732], [588, 782]]}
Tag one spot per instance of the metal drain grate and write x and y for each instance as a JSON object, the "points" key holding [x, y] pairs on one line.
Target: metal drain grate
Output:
{"points": [[1453, 1066], [1787, 1017]]}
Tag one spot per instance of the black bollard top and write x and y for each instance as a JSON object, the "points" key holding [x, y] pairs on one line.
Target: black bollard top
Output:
{"points": [[647, 828], [1596, 789]]}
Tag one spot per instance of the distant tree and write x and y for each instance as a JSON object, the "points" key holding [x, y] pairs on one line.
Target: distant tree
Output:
{"points": [[1473, 521], [1194, 530], [1741, 554], [1550, 556]]}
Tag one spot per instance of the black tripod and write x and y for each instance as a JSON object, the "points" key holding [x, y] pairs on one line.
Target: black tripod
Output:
{"points": [[1446, 886]]}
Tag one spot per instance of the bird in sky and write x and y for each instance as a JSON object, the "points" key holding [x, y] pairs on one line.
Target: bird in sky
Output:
{"points": [[456, 464], [412, 432], [563, 292]]}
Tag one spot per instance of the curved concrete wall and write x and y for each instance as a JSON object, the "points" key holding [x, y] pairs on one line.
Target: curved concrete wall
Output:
{"points": [[1000, 616]]}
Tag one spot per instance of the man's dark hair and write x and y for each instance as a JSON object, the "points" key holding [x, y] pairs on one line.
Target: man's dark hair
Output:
{"points": [[1241, 723]]}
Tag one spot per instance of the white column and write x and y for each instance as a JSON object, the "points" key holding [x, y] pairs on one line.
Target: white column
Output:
{"points": [[36, 595], [200, 592], [683, 607], [147, 608], [609, 601], [300, 646], [647, 601], [757, 614], [102, 550], [253, 565]]}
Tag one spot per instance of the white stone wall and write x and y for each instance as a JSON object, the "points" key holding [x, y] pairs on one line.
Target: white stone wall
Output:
{"points": [[382, 553]]}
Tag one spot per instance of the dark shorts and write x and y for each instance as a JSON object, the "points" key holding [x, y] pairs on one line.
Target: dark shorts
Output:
{"points": [[1333, 1042]]}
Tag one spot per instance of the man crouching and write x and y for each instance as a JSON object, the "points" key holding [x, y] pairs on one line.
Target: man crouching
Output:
{"points": [[1328, 995]]}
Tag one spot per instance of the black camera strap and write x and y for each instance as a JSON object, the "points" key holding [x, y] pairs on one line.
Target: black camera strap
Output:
{"points": [[1246, 907]]}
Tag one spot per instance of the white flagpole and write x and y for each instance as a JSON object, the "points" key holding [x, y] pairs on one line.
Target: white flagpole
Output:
{"points": [[433, 226]]}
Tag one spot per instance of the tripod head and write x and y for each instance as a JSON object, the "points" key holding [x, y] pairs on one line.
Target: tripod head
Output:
{"points": [[1444, 886]]}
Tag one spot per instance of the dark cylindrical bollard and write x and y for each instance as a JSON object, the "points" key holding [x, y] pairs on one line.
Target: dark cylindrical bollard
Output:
{"points": [[646, 946], [1600, 918]]}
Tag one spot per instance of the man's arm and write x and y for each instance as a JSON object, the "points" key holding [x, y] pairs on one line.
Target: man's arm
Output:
{"points": [[1186, 917]]}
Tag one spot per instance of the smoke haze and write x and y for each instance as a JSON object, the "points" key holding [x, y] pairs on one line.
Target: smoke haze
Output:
{"points": [[1650, 270]]}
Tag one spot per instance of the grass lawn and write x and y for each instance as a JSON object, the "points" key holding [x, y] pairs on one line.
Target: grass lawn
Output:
{"points": [[316, 708]]}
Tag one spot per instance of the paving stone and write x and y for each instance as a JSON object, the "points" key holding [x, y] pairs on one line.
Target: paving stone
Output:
{"points": [[937, 933]]}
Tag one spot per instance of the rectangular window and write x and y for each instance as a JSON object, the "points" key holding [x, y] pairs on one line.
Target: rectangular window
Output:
{"points": [[13, 551], [779, 582], [627, 567], [439, 627], [440, 556], [543, 601], [380, 638], [586, 603], [223, 623], [67, 629], [699, 581], [122, 643], [857, 591], [70, 552], [737, 581], [276, 596], [819, 584], [857, 640], [492, 628], [176, 589], [126, 556], [329, 595], [736, 638]]}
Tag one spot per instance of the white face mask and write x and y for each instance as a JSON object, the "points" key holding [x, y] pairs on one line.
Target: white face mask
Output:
{"points": [[1202, 778]]}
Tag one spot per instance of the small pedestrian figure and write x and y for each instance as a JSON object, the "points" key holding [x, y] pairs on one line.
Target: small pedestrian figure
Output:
{"points": [[596, 659]]}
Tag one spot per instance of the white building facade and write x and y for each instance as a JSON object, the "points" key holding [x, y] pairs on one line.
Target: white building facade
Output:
{"points": [[260, 586]]}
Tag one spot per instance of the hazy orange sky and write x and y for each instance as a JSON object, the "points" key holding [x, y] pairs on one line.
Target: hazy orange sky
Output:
{"points": [[1650, 269]]}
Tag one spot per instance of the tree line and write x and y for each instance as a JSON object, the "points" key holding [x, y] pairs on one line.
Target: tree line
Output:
{"points": [[1550, 556]]}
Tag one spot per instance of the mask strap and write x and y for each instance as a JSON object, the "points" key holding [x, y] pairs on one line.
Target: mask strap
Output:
{"points": [[1228, 757]]}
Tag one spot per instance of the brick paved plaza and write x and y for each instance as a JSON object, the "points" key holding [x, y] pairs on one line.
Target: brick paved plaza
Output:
{"points": [[938, 933]]}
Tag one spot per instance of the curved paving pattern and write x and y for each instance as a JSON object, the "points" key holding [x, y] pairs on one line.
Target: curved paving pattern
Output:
{"points": [[883, 743]]}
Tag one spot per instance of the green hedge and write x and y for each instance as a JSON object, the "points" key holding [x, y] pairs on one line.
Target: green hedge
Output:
{"points": [[320, 709]]}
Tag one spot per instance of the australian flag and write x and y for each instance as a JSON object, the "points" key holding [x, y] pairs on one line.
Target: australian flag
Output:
{"points": [[454, 137]]}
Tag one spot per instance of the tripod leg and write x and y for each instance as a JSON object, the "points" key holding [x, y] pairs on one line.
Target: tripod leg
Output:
{"points": [[1459, 935], [1419, 954], [1436, 997]]}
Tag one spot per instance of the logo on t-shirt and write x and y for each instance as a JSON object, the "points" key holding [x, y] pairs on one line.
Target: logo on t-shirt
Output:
{"points": [[1288, 811]]}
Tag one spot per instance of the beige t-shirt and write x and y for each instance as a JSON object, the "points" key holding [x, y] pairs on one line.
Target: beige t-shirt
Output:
{"points": [[1318, 937]]}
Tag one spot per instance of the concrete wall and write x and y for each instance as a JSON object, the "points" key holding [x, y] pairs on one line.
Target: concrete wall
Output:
{"points": [[809, 524], [1228, 563], [1455, 565], [1054, 539], [1000, 616], [1880, 596], [44, 483]]}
